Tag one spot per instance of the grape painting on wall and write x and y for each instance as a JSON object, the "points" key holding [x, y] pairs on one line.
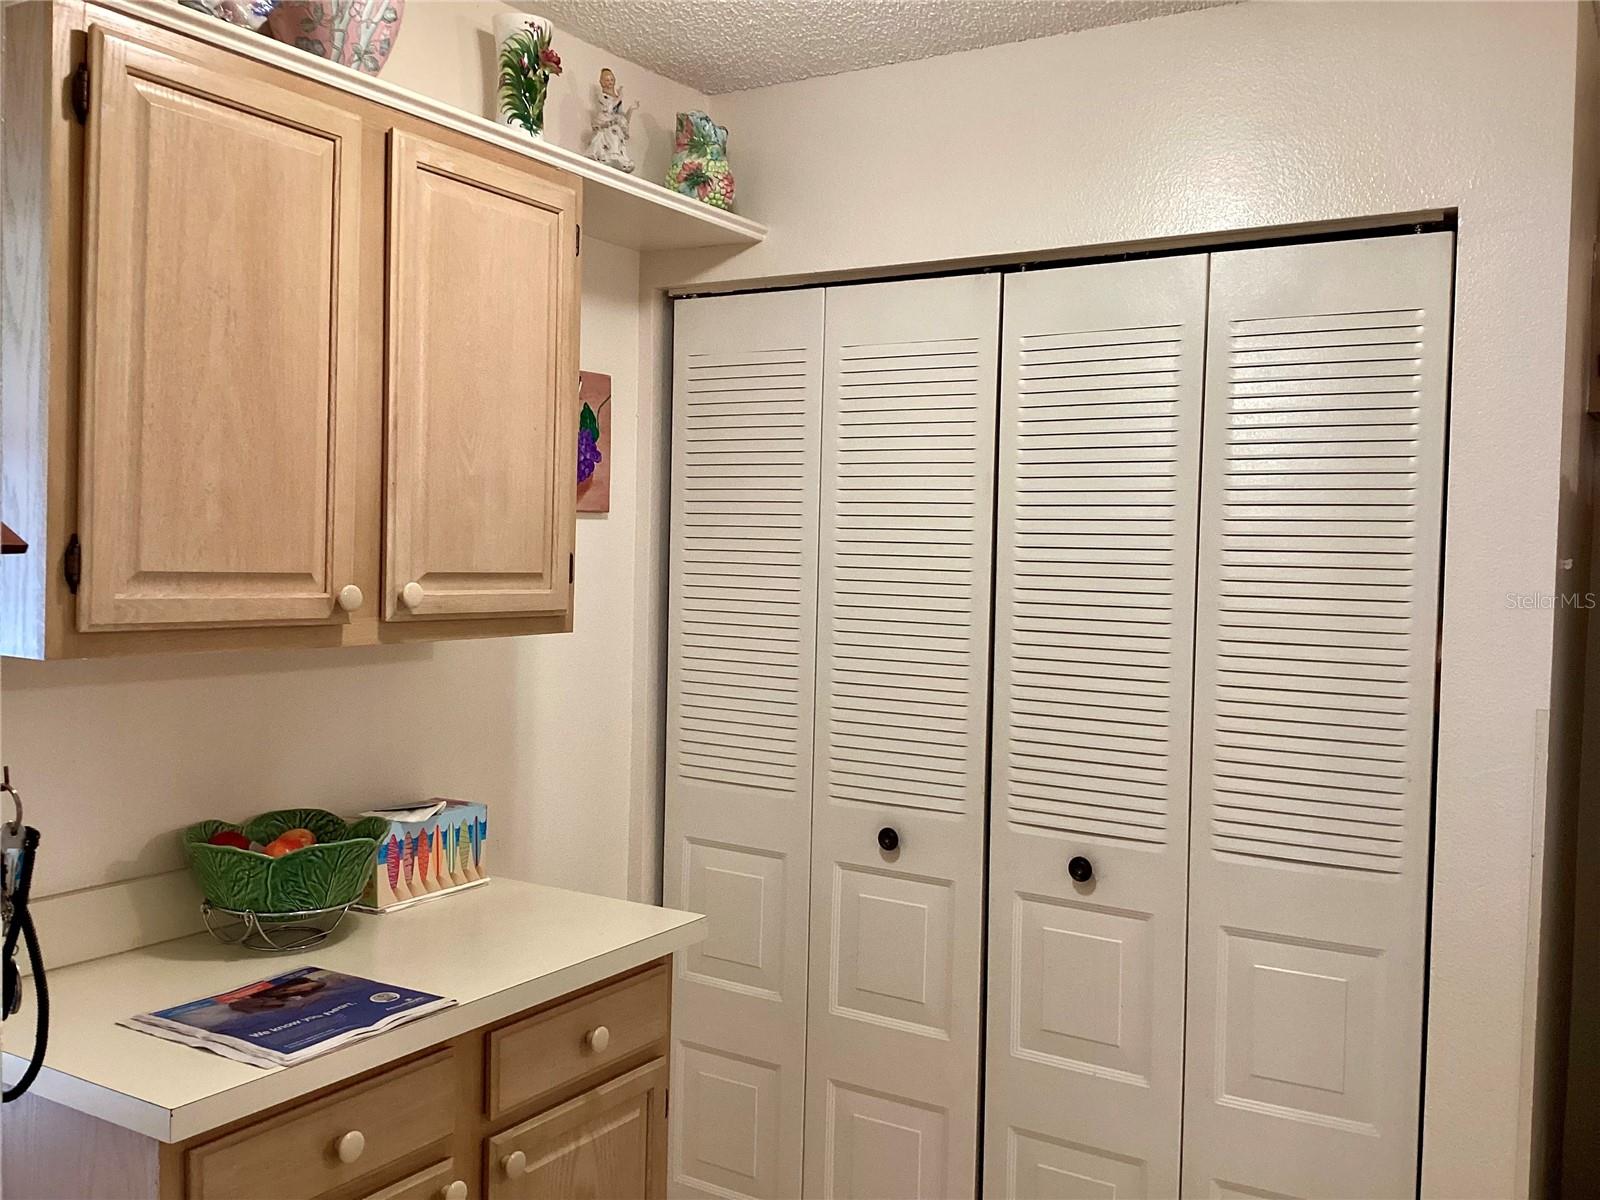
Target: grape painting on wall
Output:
{"points": [[594, 442]]}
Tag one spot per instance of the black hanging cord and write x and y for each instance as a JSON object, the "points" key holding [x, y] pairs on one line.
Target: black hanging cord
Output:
{"points": [[22, 924]]}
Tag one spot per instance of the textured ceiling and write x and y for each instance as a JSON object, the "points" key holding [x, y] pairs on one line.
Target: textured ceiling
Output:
{"points": [[720, 46]]}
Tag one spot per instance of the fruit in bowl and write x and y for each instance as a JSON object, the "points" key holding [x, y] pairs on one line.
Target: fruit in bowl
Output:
{"points": [[288, 843], [309, 859]]}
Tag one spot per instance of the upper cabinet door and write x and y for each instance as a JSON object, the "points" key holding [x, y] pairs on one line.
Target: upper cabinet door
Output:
{"points": [[218, 347], [482, 387]]}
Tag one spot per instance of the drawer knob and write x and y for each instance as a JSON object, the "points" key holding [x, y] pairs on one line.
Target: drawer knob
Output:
{"points": [[597, 1039], [350, 1146], [514, 1164], [350, 597], [411, 595], [457, 1190]]}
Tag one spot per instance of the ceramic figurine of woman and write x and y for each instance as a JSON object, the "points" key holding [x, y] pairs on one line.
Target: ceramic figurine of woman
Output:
{"points": [[609, 144]]}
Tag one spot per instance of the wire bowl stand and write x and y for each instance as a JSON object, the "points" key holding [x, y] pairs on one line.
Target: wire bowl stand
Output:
{"points": [[271, 933]]}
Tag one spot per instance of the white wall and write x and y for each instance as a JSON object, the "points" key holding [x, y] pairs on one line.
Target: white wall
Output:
{"points": [[446, 49], [1245, 118], [114, 756]]}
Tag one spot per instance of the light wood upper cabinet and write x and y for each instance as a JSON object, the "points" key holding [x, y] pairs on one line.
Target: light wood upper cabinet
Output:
{"points": [[219, 383], [482, 386], [283, 365]]}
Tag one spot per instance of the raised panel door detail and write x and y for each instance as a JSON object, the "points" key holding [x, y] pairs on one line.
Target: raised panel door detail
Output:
{"points": [[892, 950], [741, 661], [1221, 1189], [1100, 428], [1315, 659], [1052, 1169], [743, 896], [883, 1147], [730, 1130], [219, 364], [1081, 987], [903, 600], [1297, 1028], [481, 397]]}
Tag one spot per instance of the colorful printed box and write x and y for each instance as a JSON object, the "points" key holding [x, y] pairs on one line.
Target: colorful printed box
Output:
{"points": [[429, 850]]}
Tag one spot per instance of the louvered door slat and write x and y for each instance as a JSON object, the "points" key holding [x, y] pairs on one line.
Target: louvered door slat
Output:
{"points": [[1315, 655], [902, 711], [747, 405], [1099, 452]]}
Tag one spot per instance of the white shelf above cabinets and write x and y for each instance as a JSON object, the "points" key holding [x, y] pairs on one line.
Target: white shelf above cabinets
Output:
{"points": [[618, 208]]}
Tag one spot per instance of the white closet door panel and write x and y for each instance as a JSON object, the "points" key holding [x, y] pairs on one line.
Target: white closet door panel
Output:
{"points": [[747, 405], [902, 714], [1313, 769], [1100, 408]]}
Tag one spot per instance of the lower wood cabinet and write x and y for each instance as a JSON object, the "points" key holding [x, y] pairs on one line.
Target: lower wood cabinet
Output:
{"points": [[581, 1113], [347, 1135], [611, 1141], [438, 1182]]}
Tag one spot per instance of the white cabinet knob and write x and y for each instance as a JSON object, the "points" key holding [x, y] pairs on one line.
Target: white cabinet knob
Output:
{"points": [[350, 1146], [514, 1164], [597, 1039], [411, 594], [457, 1190], [350, 597]]}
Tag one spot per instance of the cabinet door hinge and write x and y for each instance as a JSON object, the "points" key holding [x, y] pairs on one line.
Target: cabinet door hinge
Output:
{"points": [[80, 93], [578, 247], [572, 567], [72, 564]]}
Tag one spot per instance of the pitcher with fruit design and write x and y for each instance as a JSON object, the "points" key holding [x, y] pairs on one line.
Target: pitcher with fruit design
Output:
{"points": [[700, 161]]}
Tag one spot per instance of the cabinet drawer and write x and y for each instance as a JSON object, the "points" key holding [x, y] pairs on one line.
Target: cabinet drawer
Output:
{"points": [[611, 1141], [564, 1044], [439, 1182], [297, 1155]]}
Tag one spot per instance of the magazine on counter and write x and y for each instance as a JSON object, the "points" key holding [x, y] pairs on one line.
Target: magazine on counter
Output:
{"points": [[289, 1017]]}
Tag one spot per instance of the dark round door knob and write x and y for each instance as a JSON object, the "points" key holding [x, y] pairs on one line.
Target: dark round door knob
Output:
{"points": [[1081, 869], [888, 840]]}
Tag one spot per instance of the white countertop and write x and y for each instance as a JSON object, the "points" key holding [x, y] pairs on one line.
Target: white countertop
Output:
{"points": [[497, 950]]}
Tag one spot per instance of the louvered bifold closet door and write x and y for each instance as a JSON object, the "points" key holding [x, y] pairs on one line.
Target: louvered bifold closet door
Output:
{"points": [[902, 715], [1322, 496], [741, 655], [1100, 409]]}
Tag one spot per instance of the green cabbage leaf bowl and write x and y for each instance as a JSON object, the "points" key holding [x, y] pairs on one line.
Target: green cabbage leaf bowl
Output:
{"points": [[330, 874]]}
